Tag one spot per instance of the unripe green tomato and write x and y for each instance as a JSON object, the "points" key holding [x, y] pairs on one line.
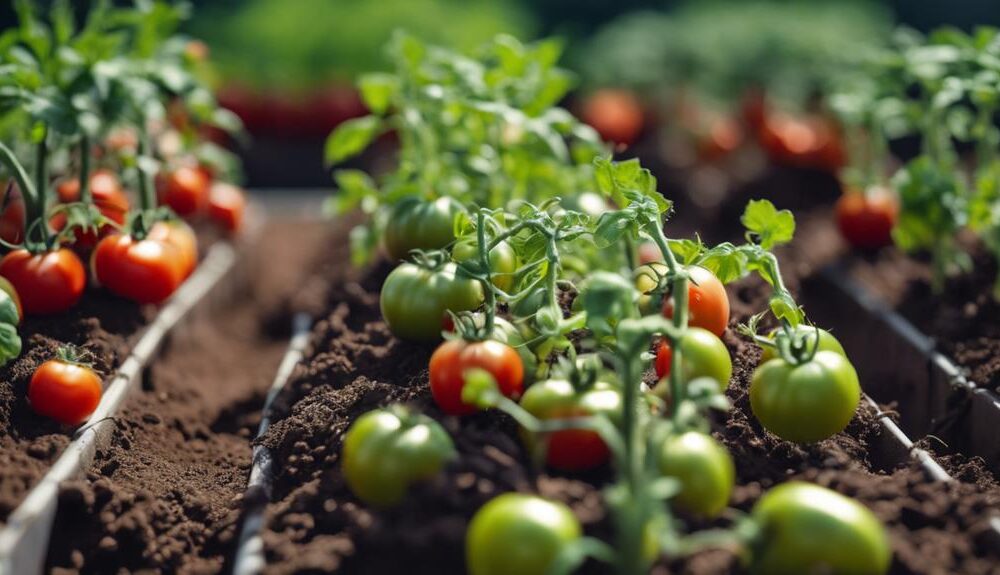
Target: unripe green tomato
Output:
{"points": [[414, 300], [702, 355], [826, 342], [506, 332], [518, 534], [387, 450], [704, 469], [645, 280], [415, 223], [503, 261], [808, 529], [807, 402]]}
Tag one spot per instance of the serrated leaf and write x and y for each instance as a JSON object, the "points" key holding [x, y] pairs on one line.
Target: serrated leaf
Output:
{"points": [[350, 138], [770, 226]]}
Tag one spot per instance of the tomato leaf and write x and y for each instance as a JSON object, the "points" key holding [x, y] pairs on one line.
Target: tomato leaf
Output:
{"points": [[770, 226], [10, 341], [351, 138], [377, 91]]}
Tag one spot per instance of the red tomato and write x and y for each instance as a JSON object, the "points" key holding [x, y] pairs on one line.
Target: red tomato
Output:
{"points": [[65, 391], [866, 220], [452, 358], [615, 114], [810, 141], [708, 304], [144, 271], [226, 205], [185, 190], [722, 137], [109, 197], [11, 215], [181, 237], [49, 282]]}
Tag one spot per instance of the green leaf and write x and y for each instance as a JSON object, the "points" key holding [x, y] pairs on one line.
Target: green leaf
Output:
{"points": [[10, 343], [770, 226], [8, 309], [355, 189], [351, 138], [377, 91]]}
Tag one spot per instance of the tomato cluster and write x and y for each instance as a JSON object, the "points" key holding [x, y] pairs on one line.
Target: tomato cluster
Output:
{"points": [[545, 320]]}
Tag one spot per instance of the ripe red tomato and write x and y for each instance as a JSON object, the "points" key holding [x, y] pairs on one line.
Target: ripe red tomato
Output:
{"points": [[184, 189], [866, 220], [181, 237], [226, 204], [11, 214], [722, 136], [615, 114], [65, 391], [50, 282], [144, 271], [452, 358], [708, 304], [811, 141], [109, 197]]}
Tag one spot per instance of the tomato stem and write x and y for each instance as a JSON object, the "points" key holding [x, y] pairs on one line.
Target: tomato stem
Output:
{"points": [[85, 169], [484, 262]]}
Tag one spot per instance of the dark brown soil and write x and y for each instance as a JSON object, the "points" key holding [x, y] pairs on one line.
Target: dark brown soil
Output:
{"points": [[354, 365], [963, 320], [165, 496], [101, 325]]}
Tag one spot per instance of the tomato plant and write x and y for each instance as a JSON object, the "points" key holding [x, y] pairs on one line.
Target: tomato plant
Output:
{"points": [[415, 299], [806, 528], [144, 271], [388, 450], [805, 402], [704, 469], [65, 389], [454, 357], [517, 533], [503, 261], [572, 449], [702, 355], [48, 282]]}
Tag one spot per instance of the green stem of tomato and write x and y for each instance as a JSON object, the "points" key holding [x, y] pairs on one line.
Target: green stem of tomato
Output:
{"points": [[484, 262], [147, 197], [41, 189], [85, 169], [679, 291]]}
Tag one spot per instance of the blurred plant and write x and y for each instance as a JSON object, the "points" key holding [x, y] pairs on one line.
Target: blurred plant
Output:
{"points": [[720, 49], [296, 46]]}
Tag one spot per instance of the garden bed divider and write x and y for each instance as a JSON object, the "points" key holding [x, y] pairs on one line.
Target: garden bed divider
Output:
{"points": [[24, 539], [249, 558], [901, 365]]}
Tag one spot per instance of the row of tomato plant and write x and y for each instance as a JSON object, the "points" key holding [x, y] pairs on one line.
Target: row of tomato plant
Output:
{"points": [[944, 89], [88, 111], [520, 242]]}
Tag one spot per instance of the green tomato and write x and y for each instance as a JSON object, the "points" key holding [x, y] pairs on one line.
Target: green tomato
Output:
{"points": [[506, 332], [518, 533], [571, 449], [645, 280], [702, 355], [387, 450], [826, 342], [416, 224], [806, 528], [705, 471], [529, 304], [415, 300], [807, 402], [503, 260]]}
